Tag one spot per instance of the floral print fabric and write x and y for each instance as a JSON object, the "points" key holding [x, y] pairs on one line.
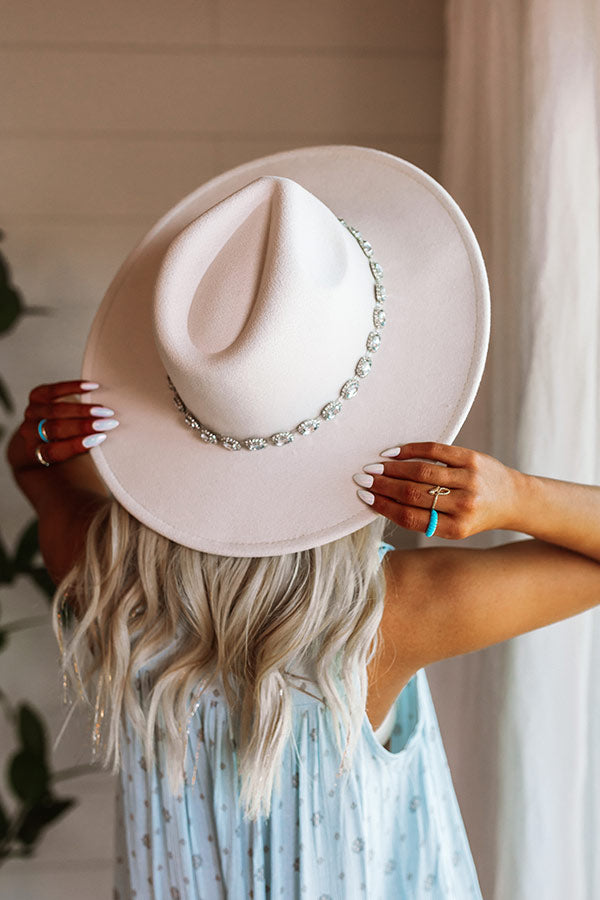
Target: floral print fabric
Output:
{"points": [[390, 829]]}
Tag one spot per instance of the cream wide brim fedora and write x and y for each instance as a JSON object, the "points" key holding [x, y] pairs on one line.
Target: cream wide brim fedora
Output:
{"points": [[423, 381]]}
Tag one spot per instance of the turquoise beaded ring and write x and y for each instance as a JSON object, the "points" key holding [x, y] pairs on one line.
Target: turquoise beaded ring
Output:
{"points": [[41, 431], [433, 520], [433, 516]]}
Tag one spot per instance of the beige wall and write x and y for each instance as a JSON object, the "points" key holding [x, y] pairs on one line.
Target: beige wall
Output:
{"points": [[110, 113]]}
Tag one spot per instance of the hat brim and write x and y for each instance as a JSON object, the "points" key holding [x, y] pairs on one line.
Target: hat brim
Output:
{"points": [[423, 382]]}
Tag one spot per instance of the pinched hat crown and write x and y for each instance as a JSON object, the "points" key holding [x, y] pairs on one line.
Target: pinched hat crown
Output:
{"points": [[262, 309]]}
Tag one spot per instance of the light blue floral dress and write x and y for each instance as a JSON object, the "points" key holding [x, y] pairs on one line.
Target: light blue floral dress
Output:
{"points": [[390, 829]]}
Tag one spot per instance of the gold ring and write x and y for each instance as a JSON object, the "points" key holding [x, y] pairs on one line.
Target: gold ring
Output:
{"points": [[38, 453], [438, 491]]}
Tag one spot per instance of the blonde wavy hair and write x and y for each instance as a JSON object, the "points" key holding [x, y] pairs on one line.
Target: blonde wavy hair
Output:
{"points": [[136, 593]]}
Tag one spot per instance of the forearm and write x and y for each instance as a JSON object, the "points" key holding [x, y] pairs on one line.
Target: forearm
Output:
{"points": [[559, 512], [64, 496]]}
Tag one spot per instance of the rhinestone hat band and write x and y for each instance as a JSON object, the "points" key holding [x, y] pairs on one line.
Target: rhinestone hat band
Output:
{"points": [[331, 409]]}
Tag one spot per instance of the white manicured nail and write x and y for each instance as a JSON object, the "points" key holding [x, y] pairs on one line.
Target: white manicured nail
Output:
{"points": [[363, 480], [89, 385], [101, 411], [367, 496], [104, 424], [375, 469], [92, 440], [393, 451]]}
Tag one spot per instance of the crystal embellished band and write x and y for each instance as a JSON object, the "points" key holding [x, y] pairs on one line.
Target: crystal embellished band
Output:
{"points": [[331, 409]]}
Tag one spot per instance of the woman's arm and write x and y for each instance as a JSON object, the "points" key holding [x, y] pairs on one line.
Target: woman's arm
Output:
{"points": [[66, 493], [448, 600]]}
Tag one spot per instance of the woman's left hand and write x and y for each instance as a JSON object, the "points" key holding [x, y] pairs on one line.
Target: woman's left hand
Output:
{"points": [[482, 491]]}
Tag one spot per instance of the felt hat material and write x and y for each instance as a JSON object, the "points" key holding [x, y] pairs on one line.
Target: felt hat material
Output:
{"points": [[256, 301]]}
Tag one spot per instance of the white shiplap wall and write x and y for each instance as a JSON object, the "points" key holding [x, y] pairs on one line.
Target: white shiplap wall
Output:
{"points": [[109, 114]]}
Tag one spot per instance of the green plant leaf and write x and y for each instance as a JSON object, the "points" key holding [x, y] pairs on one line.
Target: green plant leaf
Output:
{"points": [[28, 776], [11, 307], [37, 310], [41, 814], [41, 577], [31, 731], [4, 823], [7, 570], [4, 270], [5, 397], [27, 547]]}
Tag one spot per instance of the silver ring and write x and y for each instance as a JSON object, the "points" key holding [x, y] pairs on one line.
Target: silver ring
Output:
{"points": [[38, 453]]}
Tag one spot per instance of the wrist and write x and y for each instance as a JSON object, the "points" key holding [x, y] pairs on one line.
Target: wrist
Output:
{"points": [[521, 504]]}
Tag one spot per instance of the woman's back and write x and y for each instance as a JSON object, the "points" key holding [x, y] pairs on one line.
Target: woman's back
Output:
{"points": [[389, 828]]}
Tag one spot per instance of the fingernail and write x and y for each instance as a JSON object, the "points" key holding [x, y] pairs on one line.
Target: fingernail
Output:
{"points": [[101, 411], [89, 385], [104, 424], [92, 440], [367, 496], [393, 451], [375, 469], [363, 480]]}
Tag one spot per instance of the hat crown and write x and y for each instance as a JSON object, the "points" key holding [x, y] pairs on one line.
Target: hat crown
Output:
{"points": [[261, 309]]}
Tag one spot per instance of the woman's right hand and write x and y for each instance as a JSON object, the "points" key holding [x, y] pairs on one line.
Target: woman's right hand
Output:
{"points": [[71, 427]]}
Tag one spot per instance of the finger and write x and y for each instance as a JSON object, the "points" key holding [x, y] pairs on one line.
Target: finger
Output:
{"points": [[425, 472], [414, 519], [446, 453], [59, 451], [44, 393], [37, 411], [412, 493], [59, 429]]}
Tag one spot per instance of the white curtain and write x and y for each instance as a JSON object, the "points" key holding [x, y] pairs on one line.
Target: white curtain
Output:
{"points": [[521, 156]]}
